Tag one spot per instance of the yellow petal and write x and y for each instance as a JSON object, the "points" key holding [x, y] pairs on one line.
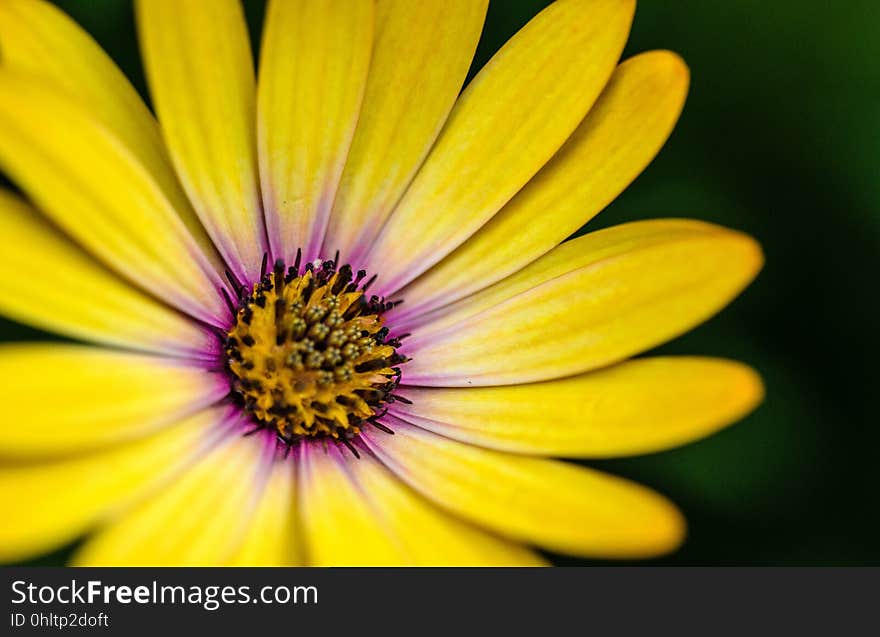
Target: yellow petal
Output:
{"points": [[355, 513], [623, 131], [46, 504], [38, 39], [67, 291], [198, 62], [591, 302], [567, 257], [199, 520], [313, 69], [420, 59], [427, 535], [635, 407], [69, 398], [91, 185], [510, 120], [554, 505], [339, 526], [272, 537]]}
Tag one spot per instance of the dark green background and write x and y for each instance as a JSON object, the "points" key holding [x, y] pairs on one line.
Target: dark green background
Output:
{"points": [[780, 138]]}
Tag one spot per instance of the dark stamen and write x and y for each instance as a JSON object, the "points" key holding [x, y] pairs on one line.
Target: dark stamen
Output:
{"points": [[228, 301], [236, 286], [378, 425], [351, 448], [278, 272]]}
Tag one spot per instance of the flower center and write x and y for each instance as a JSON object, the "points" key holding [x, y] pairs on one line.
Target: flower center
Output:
{"points": [[309, 354]]}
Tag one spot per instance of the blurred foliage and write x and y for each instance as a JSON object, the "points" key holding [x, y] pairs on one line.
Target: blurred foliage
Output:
{"points": [[781, 139]]}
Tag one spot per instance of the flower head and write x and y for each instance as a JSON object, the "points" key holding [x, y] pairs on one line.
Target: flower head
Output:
{"points": [[327, 312]]}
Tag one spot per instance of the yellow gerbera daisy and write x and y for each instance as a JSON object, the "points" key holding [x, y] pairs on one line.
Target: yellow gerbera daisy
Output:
{"points": [[332, 321]]}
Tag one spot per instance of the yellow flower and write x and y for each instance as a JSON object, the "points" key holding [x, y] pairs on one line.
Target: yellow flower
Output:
{"points": [[254, 391]]}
